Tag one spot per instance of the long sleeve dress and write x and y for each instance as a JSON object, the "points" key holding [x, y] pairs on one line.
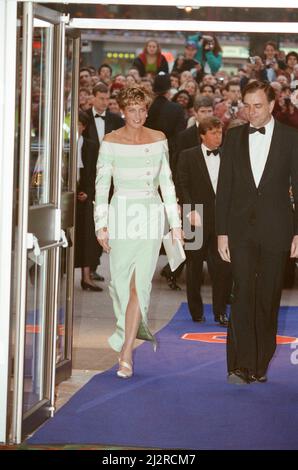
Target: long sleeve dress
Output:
{"points": [[135, 220]]}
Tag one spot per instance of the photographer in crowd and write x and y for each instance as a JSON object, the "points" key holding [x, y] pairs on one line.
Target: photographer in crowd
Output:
{"points": [[288, 111], [270, 66], [187, 60], [209, 52], [232, 107]]}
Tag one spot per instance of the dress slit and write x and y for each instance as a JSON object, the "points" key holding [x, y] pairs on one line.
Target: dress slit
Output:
{"points": [[116, 341]]}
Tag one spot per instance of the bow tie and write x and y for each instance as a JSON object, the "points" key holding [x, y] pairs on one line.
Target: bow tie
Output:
{"points": [[100, 115], [252, 130], [214, 152]]}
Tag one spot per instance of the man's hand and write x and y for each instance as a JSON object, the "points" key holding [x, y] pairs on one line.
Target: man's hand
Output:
{"points": [[294, 247], [223, 247], [195, 219], [103, 239]]}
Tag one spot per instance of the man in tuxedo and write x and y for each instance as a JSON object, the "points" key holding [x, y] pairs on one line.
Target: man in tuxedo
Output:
{"points": [[203, 107], [256, 229], [166, 116], [197, 174], [101, 122]]}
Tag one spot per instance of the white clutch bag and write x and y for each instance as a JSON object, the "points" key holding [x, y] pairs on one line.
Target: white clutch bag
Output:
{"points": [[174, 251]]}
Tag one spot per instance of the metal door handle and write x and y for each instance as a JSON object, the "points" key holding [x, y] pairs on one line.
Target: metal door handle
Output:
{"points": [[32, 243]]}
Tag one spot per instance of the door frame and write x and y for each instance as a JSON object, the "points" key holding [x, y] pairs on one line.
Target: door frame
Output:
{"points": [[8, 30], [63, 369], [24, 423]]}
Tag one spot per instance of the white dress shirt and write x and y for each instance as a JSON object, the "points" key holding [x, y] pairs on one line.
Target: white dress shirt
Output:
{"points": [[259, 145], [212, 162], [80, 161], [100, 124]]}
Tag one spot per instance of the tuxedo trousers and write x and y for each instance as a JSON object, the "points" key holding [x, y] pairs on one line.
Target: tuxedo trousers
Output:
{"points": [[220, 274], [258, 279]]}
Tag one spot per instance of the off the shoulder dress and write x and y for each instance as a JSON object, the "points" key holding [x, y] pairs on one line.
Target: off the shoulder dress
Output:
{"points": [[135, 220]]}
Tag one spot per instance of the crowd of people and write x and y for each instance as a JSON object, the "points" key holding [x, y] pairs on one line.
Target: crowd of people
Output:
{"points": [[193, 106], [198, 71], [199, 86]]}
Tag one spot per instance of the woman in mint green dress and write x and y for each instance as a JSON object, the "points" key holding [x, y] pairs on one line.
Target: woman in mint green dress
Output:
{"points": [[131, 227]]}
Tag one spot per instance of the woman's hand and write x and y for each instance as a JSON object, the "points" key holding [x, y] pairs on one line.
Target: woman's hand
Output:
{"points": [[103, 239], [194, 219], [177, 234]]}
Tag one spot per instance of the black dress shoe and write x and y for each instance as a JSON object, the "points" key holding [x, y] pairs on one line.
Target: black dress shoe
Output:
{"points": [[86, 286], [223, 320], [238, 377], [97, 277], [172, 283], [201, 319]]}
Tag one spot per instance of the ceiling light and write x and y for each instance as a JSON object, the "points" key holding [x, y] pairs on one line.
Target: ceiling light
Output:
{"points": [[187, 25]]}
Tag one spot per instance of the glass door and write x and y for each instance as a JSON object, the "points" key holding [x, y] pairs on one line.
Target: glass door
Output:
{"points": [[68, 193], [45, 214]]}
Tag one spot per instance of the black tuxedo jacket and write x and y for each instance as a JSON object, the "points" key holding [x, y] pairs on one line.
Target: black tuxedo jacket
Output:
{"points": [[262, 214], [186, 139], [168, 117], [195, 186], [88, 173], [112, 122]]}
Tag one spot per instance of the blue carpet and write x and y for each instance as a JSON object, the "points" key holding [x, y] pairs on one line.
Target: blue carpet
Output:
{"points": [[179, 398]]}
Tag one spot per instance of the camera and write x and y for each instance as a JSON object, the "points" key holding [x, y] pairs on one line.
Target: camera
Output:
{"points": [[208, 42], [252, 60], [270, 63], [234, 108]]}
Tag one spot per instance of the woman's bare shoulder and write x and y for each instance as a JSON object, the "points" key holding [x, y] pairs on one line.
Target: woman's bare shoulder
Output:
{"points": [[155, 136], [113, 137]]}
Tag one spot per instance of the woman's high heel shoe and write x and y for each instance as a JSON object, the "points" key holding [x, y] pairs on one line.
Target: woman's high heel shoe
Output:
{"points": [[125, 370], [87, 286]]}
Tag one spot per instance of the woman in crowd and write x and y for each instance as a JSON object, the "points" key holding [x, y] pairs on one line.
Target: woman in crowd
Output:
{"points": [[209, 53], [191, 87], [186, 101], [151, 61], [86, 247], [137, 159]]}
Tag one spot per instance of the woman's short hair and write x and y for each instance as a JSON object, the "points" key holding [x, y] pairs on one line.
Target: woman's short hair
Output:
{"points": [[134, 95]]}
